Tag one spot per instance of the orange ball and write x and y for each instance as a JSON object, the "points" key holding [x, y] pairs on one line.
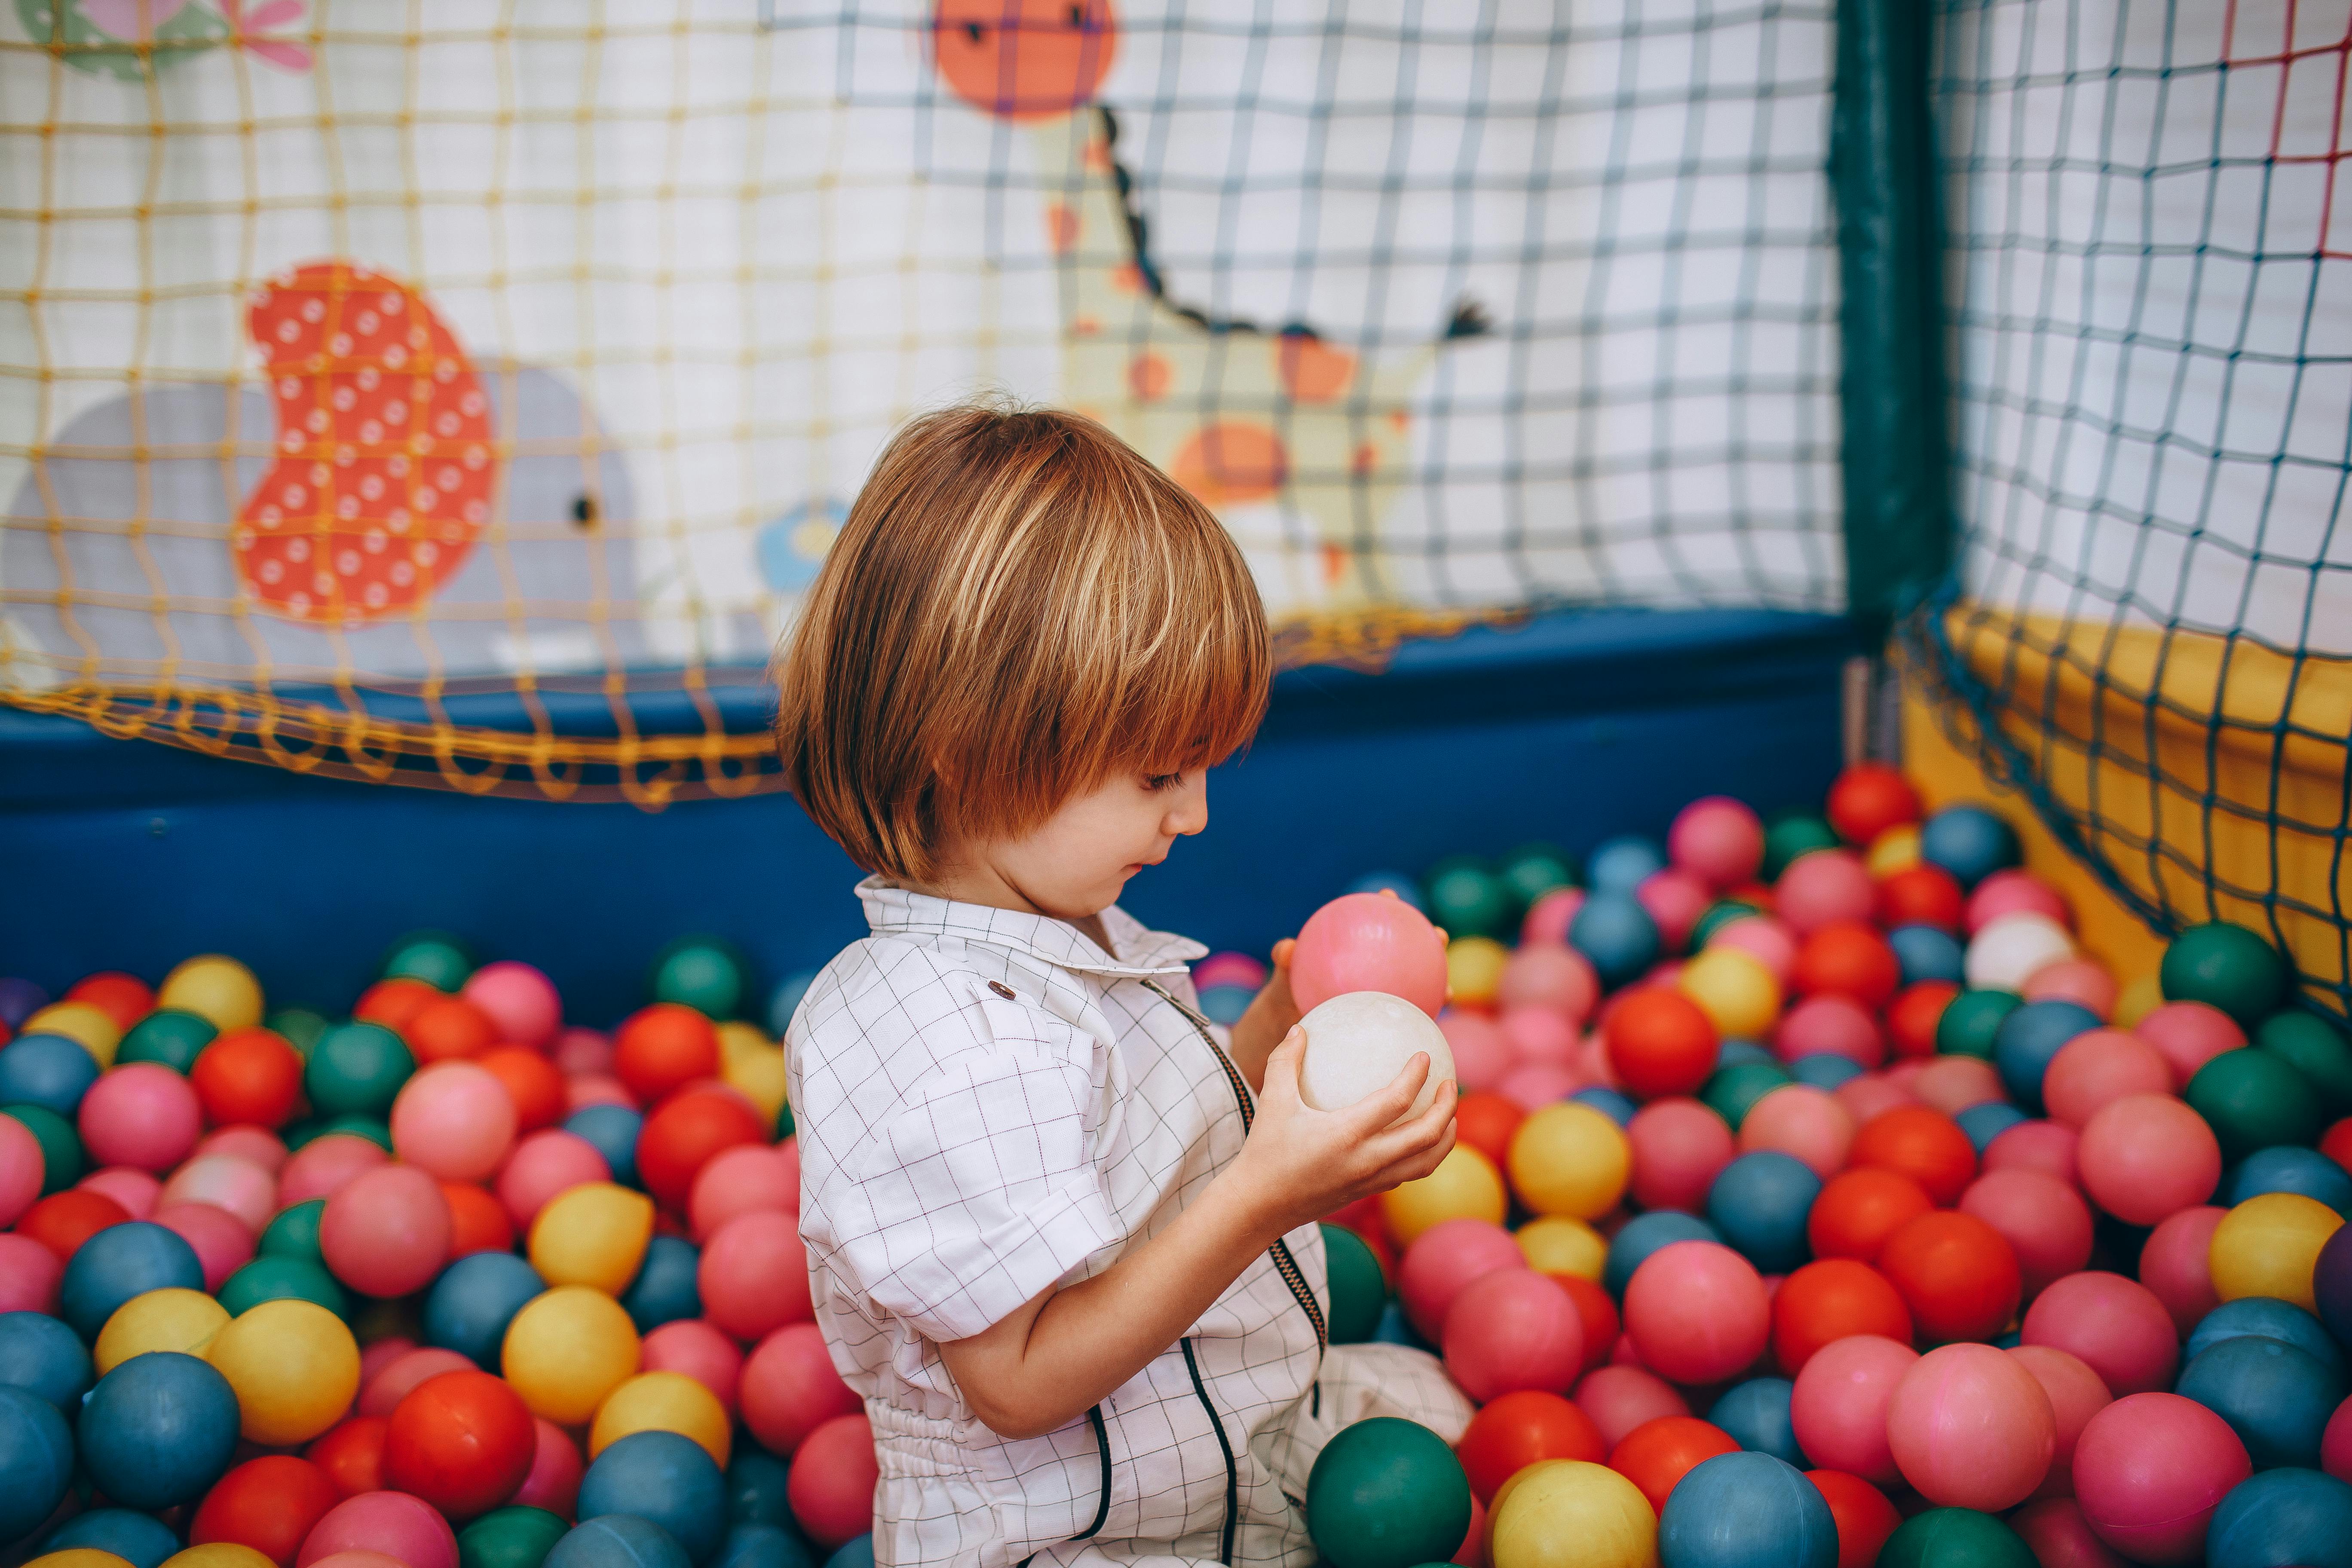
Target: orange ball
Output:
{"points": [[392, 1002], [1657, 1455], [1858, 1210], [1660, 1042], [462, 1441], [1868, 798], [1921, 1142], [449, 1028], [681, 1136], [125, 998], [63, 1221], [352, 1454], [1522, 1428], [1829, 1299], [1597, 1309], [1922, 895], [269, 1503], [1485, 1121], [477, 1221], [1864, 1516], [1912, 1016], [247, 1075], [532, 1081], [1846, 958], [664, 1047], [1958, 1276]]}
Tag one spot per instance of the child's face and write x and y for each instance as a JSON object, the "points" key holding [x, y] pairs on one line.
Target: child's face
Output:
{"points": [[1077, 862]]}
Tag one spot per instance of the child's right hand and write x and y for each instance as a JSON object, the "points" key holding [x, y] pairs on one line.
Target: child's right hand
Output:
{"points": [[1301, 1164]]}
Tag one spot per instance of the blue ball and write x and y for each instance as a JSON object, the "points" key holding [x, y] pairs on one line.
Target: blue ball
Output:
{"points": [[1644, 1233], [1225, 1004], [1969, 842], [2269, 1317], [2283, 1516], [661, 1477], [140, 1541], [36, 1456], [1396, 882], [2027, 1038], [1617, 934], [1607, 1101], [1747, 1510], [1985, 1123], [1756, 1414], [1622, 864], [1759, 1202], [41, 1356], [1733, 1052], [2288, 1168], [665, 1289], [46, 1070], [618, 1540], [1923, 953], [2275, 1397], [475, 1299], [853, 1553], [785, 1000], [764, 1546], [756, 1481], [1824, 1069], [158, 1430], [120, 1262], [1396, 1329], [612, 1129]]}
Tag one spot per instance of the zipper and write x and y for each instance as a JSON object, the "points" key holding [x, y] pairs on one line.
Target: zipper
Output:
{"points": [[1233, 1472], [1102, 1509]]}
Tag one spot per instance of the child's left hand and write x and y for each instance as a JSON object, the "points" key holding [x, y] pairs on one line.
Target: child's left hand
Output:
{"points": [[1269, 1017]]}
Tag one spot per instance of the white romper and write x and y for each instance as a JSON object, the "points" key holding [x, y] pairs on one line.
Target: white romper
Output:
{"points": [[988, 1104]]}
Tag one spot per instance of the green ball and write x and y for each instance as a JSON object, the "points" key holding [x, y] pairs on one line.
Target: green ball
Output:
{"points": [[374, 1129], [435, 957], [1720, 913], [300, 1026], [1532, 870], [294, 1233], [510, 1538], [283, 1280], [1971, 1021], [2253, 1100], [356, 1066], [166, 1035], [1359, 1290], [1955, 1537], [1791, 834], [2225, 966], [1733, 1091], [61, 1145], [2316, 1048], [701, 973], [1387, 1493], [1466, 898]]}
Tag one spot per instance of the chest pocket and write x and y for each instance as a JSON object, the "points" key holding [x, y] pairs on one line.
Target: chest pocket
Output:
{"points": [[1014, 1022]]}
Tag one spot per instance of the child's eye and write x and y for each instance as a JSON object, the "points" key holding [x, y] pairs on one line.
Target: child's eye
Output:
{"points": [[1157, 781]]}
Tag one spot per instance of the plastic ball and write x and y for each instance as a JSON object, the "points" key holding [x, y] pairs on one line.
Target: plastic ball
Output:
{"points": [[1760, 1204], [2269, 1245], [2011, 892], [667, 1287], [453, 1120], [2286, 1516], [1719, 839], [1955, 1084], [1660, 1043], [2011, 950], [556, 1468], [1368, 941], [520, 1000], [1566, 1159], [1829, 1301], [266, 1505], [1487, 1121], [2150, 1469], [618, 1540], [2278, 1398], [106, 1538], [1646, 1234], [2314, 1048], [294, 1366], [611, 1131], [220, 990], [42, 1356], [1697, 1311], [695, 1350], [1512, 1328], [168, 1036], [385, 1232], [1859, 1209], [1747, 1510], [169, 1320], [357, 1067], [462, 1441], [1926, 955], [662, 1402], [1675, 899], [1804, 1121], [834, 1475], [1869, 798], [1920, 895], [2254, 1099], [1847, 958], [1601, 1098], [135, 1191], [1956, 1273], [2147, 1156], [2287, 1168], [1836, 1026], [1522, 1428], [1616, 934], [1756, 1414], [1760, 937], [1864, 1517], [396, 1367], [1838, 1404], [144, 1116], [2225, 966], [406, 1529], [293, 1232], [1440, 1264], [1619, 1399], [37, 1455], [1563, 1513], [1466, 1184], [2027, 1040], [543, 1166], [119, 1263], [250, 1076], [593, 1234], [2188, 1035], [158, 1430], [568, 1349], [2097, 1068], [1969, 842], [684, 1132], [1734, 988], [226, 1181], [1790, 835], [1677, 1147], [510, 1537], [326, 1164], [1971, 1427], [1733, 1089], [789, 1387], [2075, 1394], [1921, 1143], [2082, 981], [64, 1222], [753, 1277], [743, 1180], [1657, 1455], [47, 1070], [2047, 1226]]}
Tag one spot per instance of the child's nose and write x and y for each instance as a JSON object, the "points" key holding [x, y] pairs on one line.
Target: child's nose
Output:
{"points": [[1191, 813]]}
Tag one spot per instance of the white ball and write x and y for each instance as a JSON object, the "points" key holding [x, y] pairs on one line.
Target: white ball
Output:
{"points": [[2007, 951], [1357, 1043]]}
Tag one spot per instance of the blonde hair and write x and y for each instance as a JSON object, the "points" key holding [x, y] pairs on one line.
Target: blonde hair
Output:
{"points": [[1018, 606]]}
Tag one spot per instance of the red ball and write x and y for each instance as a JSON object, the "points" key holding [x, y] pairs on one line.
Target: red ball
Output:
{"points": [[532, 1081], [251, 1075], [392, 1002], [125, 998], [1517, 1430], [1486, 1121], [1922, 1143], [63, 1221], [351, 1454], [1864, 1516], [1956, 1274], [477, 1221], [1598, 1310], [684, 1134], [664, 1047], [2337, 1143], [449, 1028], [830, 1488], [1913, 1016], [1858, 1210], [1830, 1300], [1922, 895], [1846, 958], [1868, 798], [1657, 1455], [462, 1441], [1660, 1042], [268, 1504]]}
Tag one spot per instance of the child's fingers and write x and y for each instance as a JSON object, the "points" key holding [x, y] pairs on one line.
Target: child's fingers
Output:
{"points": [[1431, 1126], [1282, 1064], [1382, 1109], [1282, 952]]}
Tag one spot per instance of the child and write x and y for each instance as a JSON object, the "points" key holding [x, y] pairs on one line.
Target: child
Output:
{"points": [[1061, 1232]]}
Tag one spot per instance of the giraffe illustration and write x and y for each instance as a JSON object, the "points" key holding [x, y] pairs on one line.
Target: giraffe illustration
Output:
{"points": [[1238, 413]]}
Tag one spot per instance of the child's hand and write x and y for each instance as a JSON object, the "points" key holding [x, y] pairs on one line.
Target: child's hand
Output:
{"points": [[1302, 1163], [1272, 1014]]}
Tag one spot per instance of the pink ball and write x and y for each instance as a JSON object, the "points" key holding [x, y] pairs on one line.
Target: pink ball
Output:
{"points": [[1550, 974], [1839, 1407], [1675, 900], [453, 1120], [520, 1000], [2147, 1157], [1534, 1085], [2093, 1070], [358, 1557], [1970, 1427], [2083, 981], [583, 1053], [2014, 892], [1368, 941], [2044, 1220], [754, 1275], [143, 1115], [691, 1346], [1592, 1064], [222, 1241], [1539, 1035], [134, 1190], [1871, 1094], [750, 1178], [30, 1272], [553, 1483], [21, 1170], [386, 1233], [2188, 1035], [228, 1181], [379, 1353], [1952, 1084], [401, 1375], [408, 1529], [2118, 1327], [1510, 1329], [1679, 1148], [1444, 1260], [545, 1163], [2150, 1469], [324, 1166], [830, 1488], [1481, 1055], [790, 1388], [1697, 1311], [1550, 917], [1830, 1024], [2176, 1262], [1619, 1399], [2335, 1444], [1763, 938], [1718, 840], [244, 1141], [2059, 1537], [2044, 1146], [595, 1088], [1799, 1120], [1823, 887], [2077, 1394]]}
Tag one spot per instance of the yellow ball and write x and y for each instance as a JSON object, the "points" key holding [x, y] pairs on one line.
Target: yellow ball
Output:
{"points": [[78, 1557], [167, 1320], [213, 987], [1569, 1159], [1735, 990], [1896, 849], [1556, 1244], [1465, 1183], [92, 1028], [1566, 1513], [567, 1350], [1473, 970], [219, 1555], [738, 1039], [2268, 1245], [662, 1402], [295, 1368], [2137, 1000], [759, 1077], [594, 1234]]}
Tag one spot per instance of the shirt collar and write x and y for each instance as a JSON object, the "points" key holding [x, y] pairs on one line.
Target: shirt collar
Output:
{"points": [[1138, 952]]}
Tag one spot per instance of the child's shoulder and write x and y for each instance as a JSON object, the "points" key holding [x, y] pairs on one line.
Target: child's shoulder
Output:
{"points": [[886, 1001]]}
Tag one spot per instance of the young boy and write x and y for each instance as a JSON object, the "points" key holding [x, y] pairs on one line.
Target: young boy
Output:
{"points": [[1061, 1231]]}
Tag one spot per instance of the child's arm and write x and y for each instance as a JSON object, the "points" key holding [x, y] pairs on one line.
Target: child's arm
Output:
{"points": [[1042, 1366]]}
